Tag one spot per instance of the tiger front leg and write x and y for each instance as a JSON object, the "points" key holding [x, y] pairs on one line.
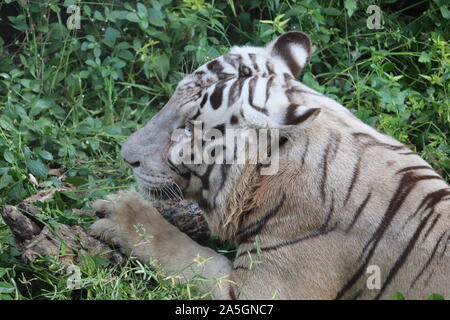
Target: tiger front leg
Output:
{"points": [[139, 230]]}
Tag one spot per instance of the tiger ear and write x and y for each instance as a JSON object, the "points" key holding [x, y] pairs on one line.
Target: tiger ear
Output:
{"points": [[293, 49]]}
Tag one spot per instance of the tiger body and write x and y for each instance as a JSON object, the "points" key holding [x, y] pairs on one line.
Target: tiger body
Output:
{"points": [[345, 197]]}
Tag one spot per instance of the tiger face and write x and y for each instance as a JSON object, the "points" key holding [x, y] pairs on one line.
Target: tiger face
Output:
{"points": [[249, 88]]}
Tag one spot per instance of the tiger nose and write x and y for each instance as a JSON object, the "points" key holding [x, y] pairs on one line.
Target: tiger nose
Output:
{"points": [[130, 151], [133, 164]]}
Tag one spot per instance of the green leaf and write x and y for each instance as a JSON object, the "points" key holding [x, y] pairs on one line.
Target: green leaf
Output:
{"points": [[119, 64], [9, 157], [142, 10], [309, 80], [17, 192], [398, 296], [76, 181], [331, 11], [350, 6], [6, 287], [91, 63], [40, 105], [5, 180], [445, 12], [156, 17], [113, 130], [98, 16], [45, 155], [5, 123], [162, 66], [100, 261], [133, 17], [3, 272], [424, 57], [97, 52], [125, 54], [111, 36], [436, 296], [37, 168]]}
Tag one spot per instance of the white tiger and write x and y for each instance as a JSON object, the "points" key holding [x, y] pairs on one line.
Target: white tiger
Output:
{"points": [[344, 198]]}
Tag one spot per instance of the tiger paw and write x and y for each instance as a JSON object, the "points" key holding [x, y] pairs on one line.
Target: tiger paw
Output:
{"points": [[127, 221]]}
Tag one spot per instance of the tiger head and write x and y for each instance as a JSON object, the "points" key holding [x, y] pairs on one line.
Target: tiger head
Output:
{"points": [[249, 88]]}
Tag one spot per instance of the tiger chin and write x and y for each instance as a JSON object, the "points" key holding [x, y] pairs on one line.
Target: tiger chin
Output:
{"points": [[350, 213]]}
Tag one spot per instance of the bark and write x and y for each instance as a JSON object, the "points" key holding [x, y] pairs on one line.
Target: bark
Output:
{"points": [[65, 242]]}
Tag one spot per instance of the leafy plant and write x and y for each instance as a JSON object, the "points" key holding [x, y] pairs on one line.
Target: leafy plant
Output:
{"points": [[69, 97]]}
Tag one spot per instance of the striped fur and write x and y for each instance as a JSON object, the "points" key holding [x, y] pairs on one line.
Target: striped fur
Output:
{"points": [[345, 197]]}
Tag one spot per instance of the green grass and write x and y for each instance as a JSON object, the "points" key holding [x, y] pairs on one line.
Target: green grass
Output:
{"points": [[69, 98]]}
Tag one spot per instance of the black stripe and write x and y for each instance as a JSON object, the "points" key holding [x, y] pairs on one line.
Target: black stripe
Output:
{"points": [[253, 59], [254, 228], [216, 68], [359, 211], [251, 95], [204, 178], [370, 141], [431, 227], [269, 67], [220, 127], [196, 115], [308, 236], [357, 294], [405, 186], [433, 198], [240, 268], [233, 59], [401, 260], [205, 98], [429, 277], [268, 87], [445, 246], [185, 175], [356, 171], [217, 96], [235, 91], [224, 168], [292, 119], [330, 212], [429, 201], [287, 77], [365, 141], [426, 265], [293, 93], [306, 150], [328, 155], [413, 168]]}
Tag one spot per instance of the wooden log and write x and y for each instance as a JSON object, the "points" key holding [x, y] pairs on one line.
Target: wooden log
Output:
{"points": [[34, 239]]}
